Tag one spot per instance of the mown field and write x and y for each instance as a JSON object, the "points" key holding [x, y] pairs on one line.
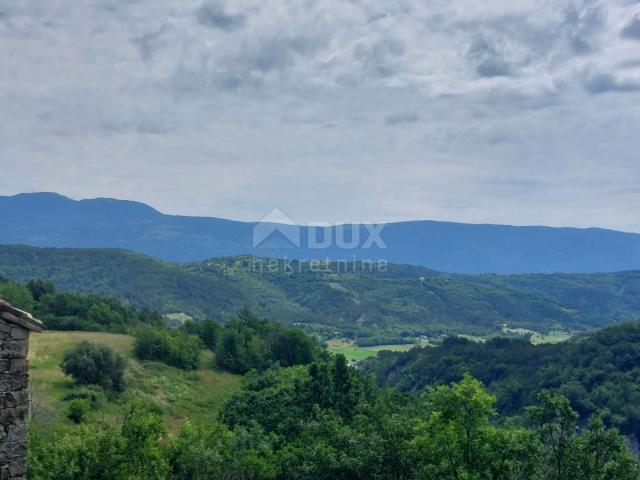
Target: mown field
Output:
{"points": [[354, 353], [195, 396]]}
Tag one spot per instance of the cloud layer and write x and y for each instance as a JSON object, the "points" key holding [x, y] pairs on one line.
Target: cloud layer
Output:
{"points": [[508, 112]]}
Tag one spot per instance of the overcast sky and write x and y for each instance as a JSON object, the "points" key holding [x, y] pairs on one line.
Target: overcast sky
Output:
{"points": [[502, 111]]}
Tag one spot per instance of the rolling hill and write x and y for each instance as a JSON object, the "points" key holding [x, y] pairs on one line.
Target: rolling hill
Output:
{"points": [[51, 220], [339, 299]]}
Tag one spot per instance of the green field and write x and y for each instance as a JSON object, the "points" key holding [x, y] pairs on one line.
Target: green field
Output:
{"points": [[195, 396], [353, 353]]}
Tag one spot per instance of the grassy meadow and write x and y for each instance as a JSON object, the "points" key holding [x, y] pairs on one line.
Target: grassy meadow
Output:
{"points": [[354, 353], [182, 395]]}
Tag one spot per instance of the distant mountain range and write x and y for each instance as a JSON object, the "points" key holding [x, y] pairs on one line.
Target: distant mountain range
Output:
{"points": [[52, 220]]}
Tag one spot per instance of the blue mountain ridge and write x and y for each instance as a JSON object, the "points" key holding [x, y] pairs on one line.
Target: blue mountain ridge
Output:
{"points": [[52, 220]]}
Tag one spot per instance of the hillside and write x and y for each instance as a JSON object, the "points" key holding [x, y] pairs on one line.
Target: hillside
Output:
{"points": [[51, 220], [195, 396], [597, 372], [375, 306]]}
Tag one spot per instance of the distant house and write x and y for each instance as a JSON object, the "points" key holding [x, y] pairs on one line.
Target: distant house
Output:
{"points": [[15, 327]]}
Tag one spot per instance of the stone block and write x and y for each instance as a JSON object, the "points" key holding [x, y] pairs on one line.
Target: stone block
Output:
{"points": [[13, 399], [17, 432], [10, 415], [13, 381], [16, 450], [14, 349], [19, 365], [17, 467], [19, 333]]}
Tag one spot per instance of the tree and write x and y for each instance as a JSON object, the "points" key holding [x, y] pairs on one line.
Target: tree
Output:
{"points": [[174, 348], [95, 364], [604, 455], [556, 424], [17, 295], [39, 287]]}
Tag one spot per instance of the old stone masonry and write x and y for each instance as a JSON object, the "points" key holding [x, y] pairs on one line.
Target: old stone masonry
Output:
{"points": [[15, 326]]}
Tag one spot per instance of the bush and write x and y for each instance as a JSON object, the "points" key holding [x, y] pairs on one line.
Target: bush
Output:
{"points": [[92, 394], [171, 347], [94, 364], [77, 410]]}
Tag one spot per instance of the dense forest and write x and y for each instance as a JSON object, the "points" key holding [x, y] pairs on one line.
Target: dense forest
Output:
{"points": [[597, 372], [367, 302]]}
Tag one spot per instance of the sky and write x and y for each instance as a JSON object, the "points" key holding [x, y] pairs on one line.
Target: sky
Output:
{"points": [[516, 112]]}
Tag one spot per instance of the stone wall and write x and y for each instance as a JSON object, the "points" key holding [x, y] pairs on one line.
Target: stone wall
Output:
{"points": [[14, 400]]}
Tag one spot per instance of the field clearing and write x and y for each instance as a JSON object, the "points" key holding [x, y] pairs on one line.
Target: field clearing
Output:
{"points": [[537, 338], [196, 395], [354, 353]]}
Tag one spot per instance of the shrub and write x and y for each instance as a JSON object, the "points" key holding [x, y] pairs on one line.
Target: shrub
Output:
{"points": [[77, 410], [92, 394], [94, 364], [171, 347]]}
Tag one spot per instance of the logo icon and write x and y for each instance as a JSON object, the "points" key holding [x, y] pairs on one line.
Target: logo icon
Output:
{"points": [[276, 230]]}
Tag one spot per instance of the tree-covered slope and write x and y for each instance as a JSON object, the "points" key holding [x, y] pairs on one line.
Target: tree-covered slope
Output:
{"points": [[353, 300], [598, 372]]}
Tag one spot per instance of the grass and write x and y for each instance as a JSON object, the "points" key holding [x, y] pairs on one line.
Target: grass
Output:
{"points": [[354, 353], [554, 336], [196, 395]]}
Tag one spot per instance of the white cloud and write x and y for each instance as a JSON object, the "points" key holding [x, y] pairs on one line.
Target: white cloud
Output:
{"points": [[515, 112]]}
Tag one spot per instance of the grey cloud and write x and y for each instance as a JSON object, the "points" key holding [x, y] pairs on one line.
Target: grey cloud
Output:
{"points": [[382, 58], [629, 64], [149, 43], [212, 14], [584, 23], [402, 117], [492, 89], [487, 60], [632, 29], [598, 83]]}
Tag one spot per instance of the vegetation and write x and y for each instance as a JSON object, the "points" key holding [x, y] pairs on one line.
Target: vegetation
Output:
{"points": [[248, 343], [72, 311], [549, 412], [368, 305], [194, 395], [94, 364], [174, 348], [355, 353], [598, 372], [326, 421]]}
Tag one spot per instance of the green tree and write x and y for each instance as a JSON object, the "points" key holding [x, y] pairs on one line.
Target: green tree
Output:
{"points": [[556, 424], [95, 364], [39, 287], [17, 295]]}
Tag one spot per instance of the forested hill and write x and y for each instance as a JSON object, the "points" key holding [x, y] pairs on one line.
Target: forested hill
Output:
{"points": [[51, 220], [597, 372], [360, 301]]}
